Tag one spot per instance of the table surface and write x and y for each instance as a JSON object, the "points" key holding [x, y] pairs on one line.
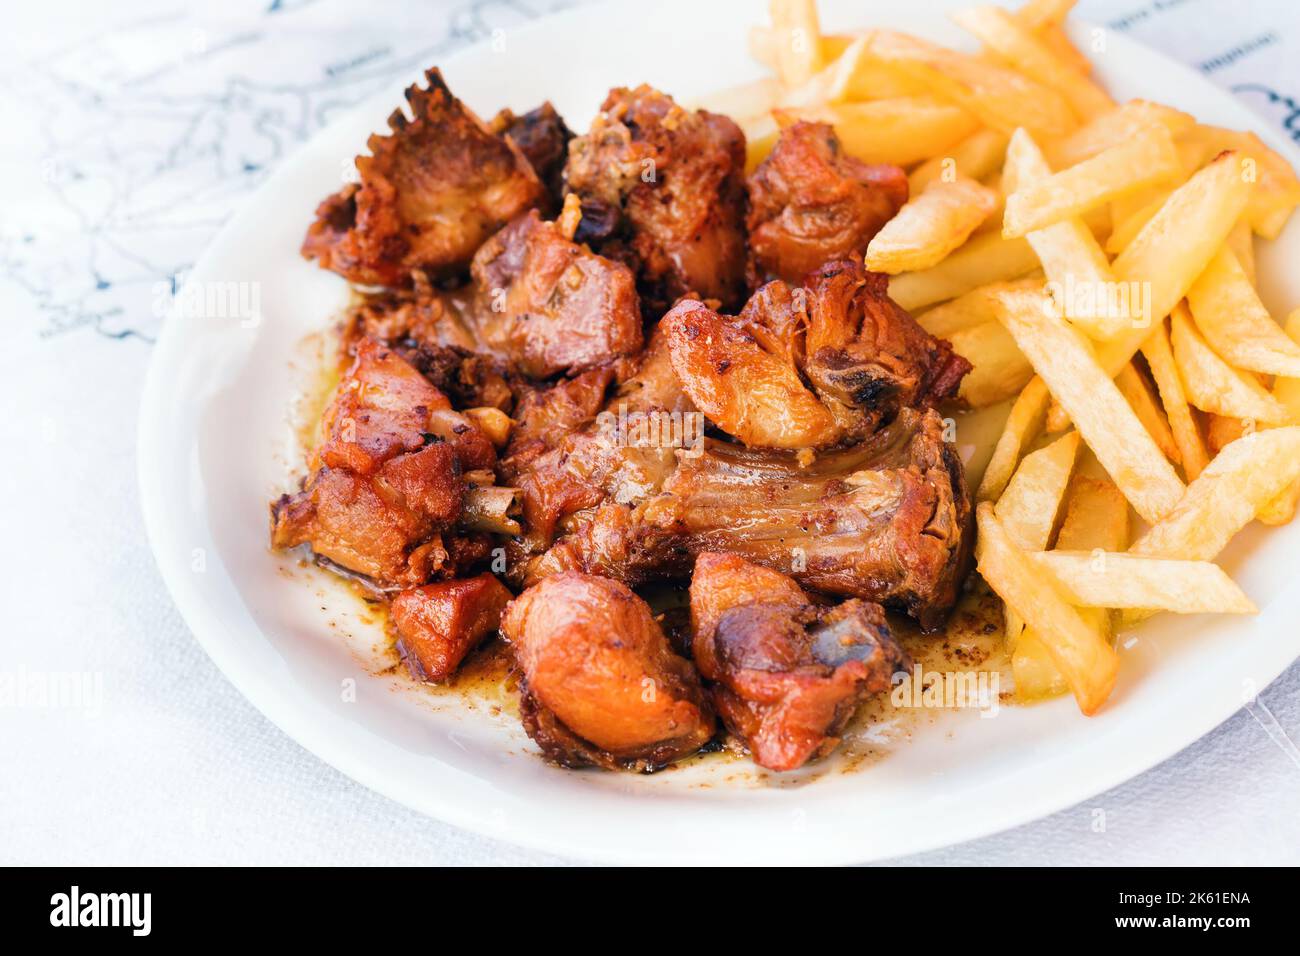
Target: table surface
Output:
{"points": [[131, 131]]}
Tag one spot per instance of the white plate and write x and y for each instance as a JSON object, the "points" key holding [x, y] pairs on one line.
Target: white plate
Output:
{"points": [[216, 445]]}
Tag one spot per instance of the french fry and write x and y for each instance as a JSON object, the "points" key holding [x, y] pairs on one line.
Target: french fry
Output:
{"points": [[1096, 517], [763, 41], [1111, 129], [900, 131], [760, 138], [1182, 423], [1134, 388], [845, 76], [1064, 360], [983, 260], [1131, 213], [1037, 14], [1029, 507], [975, 157], [1088, 663], [1229, 313], [1175, 247], [1277, 191], [1058, 44], [1148, 157], [1023, 425], [1000, 32], [1000, 98], [1071, 257], [974, 308], [797, 37], [1287, 391], [1109, 579], [1221, 431], [998, 370], [1212, 384], [1223, 499], [1241, 240], [930, 226]]}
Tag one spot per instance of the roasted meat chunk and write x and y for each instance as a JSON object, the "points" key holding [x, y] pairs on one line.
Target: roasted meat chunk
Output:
{"points": [[438, 624], [543, 138], [810, 366], [387, 479], [721, 582], [429, 194], [663, 188], [810, 204], [550, 305], [789, 675], [601, 684], [745, 390], [886, 520], [421, 315], [614, 457]]}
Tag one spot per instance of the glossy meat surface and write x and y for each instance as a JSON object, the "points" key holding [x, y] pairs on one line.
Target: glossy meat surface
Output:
{"points": [[563, 473], [602, 684], [810, 366], [663, 188], [810, 203], [438, 624], [543, 138], [745, 390], [386, 479], [789, 675], [887, 520], [551, 306], [429, 194], [721, 582]]}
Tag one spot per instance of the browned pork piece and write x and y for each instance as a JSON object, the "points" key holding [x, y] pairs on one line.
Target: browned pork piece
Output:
{"points": [[813, 365], [663, 188], [810, 203], [575, 450], [543, 138], [438, 624], [386, 483], [429, 194], [550, 305], [602, 686], [887, 520], [789, 674]]}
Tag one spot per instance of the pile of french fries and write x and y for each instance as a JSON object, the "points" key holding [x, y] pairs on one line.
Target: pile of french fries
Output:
{"points": [[1095, 262]]}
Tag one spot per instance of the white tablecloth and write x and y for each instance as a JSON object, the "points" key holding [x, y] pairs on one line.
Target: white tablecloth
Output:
{"points": [[130, 132]]}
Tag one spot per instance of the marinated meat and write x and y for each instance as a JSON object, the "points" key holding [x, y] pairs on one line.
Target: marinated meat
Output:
{"points": [[887, 520], [789, 674], [810, 204], [745, 390], [601, 684], [551, 306], [429, 194], [386, 481], [543, 138], [404, 318], [562, 474], [663, 188], [438, 624], [811, 366], [723, 581]]}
